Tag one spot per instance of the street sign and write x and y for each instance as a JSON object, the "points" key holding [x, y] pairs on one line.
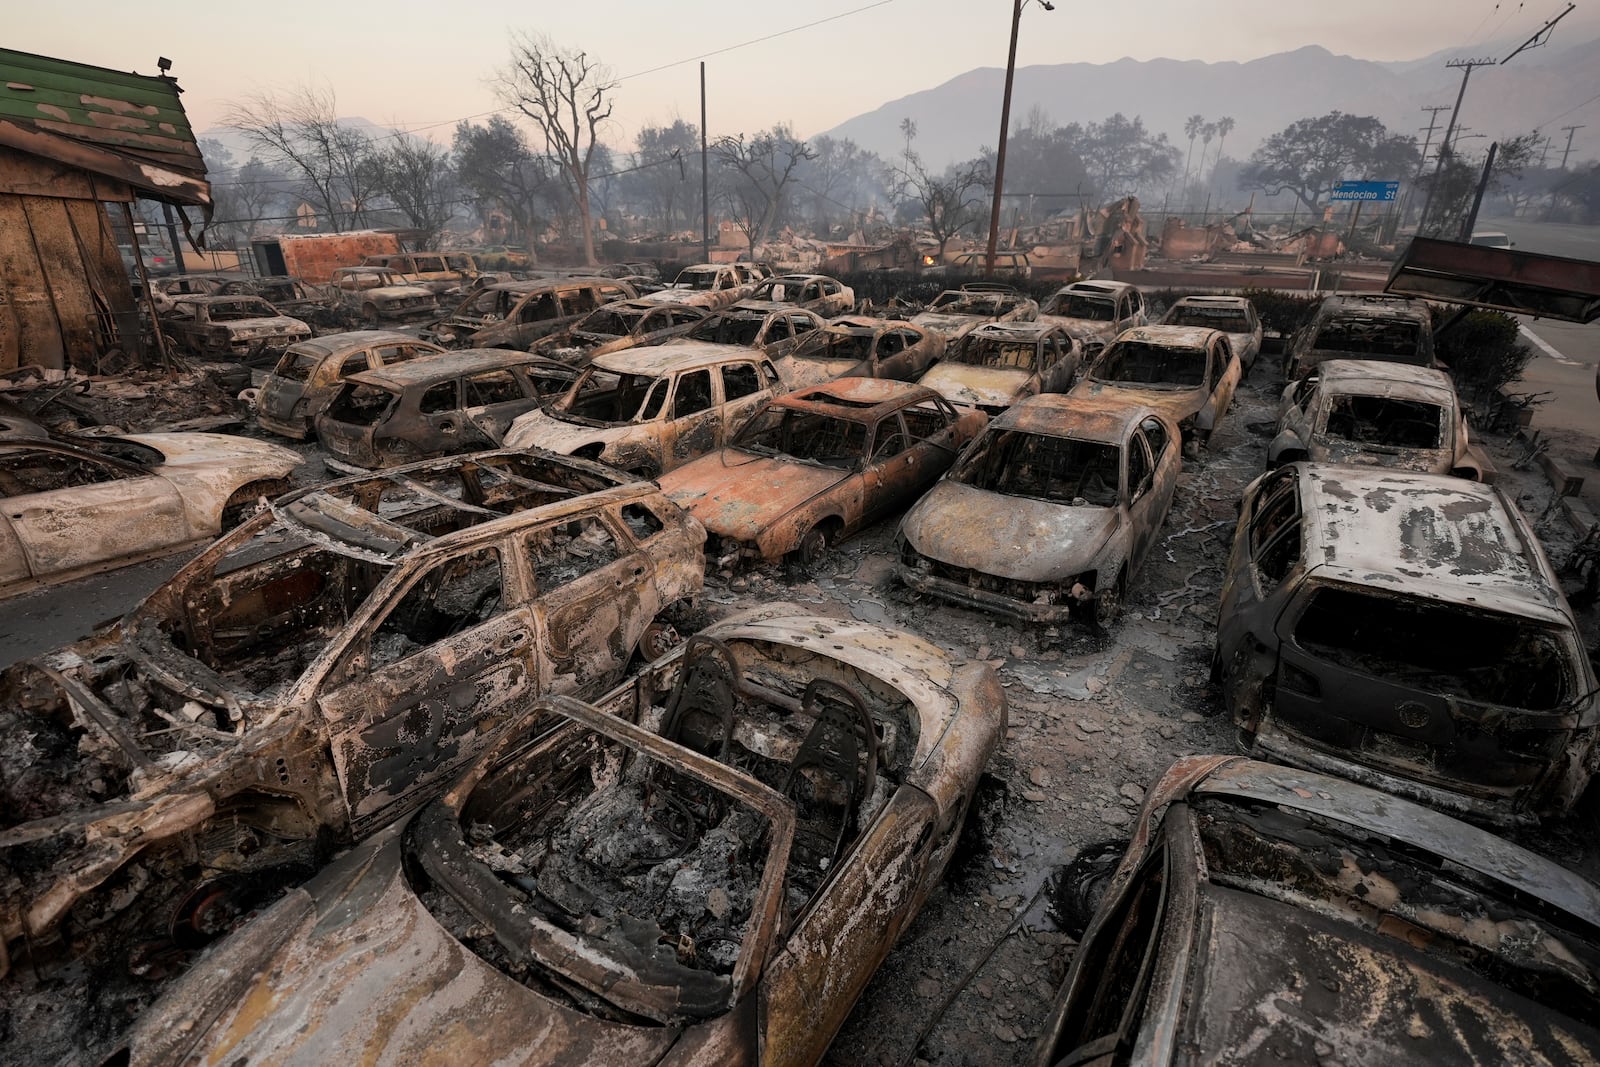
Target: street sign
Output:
{"points": [[1365, 191]]}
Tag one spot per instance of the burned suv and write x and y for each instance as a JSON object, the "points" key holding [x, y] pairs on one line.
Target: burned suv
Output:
{"points": [[321, 671], [1406, 631]]}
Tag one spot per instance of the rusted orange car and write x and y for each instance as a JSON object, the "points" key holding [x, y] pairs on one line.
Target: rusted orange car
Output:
{"points": [[713, 886], [820, 464]]}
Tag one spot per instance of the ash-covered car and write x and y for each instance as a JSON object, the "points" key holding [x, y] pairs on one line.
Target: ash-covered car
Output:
{"points": [[653, 409], [1095, 312], [1393, 328], [518, 314], [1187, 374], [775, 331], [819, 465], [1233, 315], [1379, 414], [1269, 915], [309, 373], [325, 669], [73, 506], [617, 327], [705, 867], [230, 326], [814, 292], [956, 311], [707, 285], [376, 295], [1048, 514], [857, 346], [435, 405], [163, 291], [1406, 631], [999, 363]]}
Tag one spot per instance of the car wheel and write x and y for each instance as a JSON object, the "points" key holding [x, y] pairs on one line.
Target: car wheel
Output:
{"points": [[660, 637], [1191, 446], [242, 504], [1078, 889], [1108, 605], [813, 546], [369, 316]]}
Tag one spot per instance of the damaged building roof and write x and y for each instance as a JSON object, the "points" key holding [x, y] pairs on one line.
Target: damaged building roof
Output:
{"points": [[130, 127]]}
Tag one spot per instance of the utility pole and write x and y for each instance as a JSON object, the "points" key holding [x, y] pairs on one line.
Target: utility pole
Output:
{"points": [[1471, 220], [1567, 151], [1005, 125], [1544, 153], [705, 180], [1422, 162], [1467, 66]]}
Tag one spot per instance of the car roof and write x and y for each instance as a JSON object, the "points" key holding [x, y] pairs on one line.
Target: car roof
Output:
{"points": [[1216, 301], [863, 400], [1097, 288], [207, 298], [670, 359], [845, 323], [1430, 535], [331, 343], [1375, 307], [1108, 419], [1348, 375], [1016, 331], [1171, 336], [424, 370]]}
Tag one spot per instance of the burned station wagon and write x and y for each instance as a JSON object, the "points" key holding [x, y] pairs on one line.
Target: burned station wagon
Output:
{"points": [[857, 346], [308, 375], [818, 465], [1406, 631], [516, 314], [1186, 373], [435, 405], [705, 867], [1379, 414], [1280, 916], [323, 670], [1049, 513], [999, 363], [650, 410]]}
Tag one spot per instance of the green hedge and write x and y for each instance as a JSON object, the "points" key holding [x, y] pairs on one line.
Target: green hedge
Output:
{"points": [[1482, 350]]}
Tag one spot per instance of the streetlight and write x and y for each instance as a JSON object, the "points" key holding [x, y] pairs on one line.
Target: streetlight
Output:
{"points": [[1005, 122]]}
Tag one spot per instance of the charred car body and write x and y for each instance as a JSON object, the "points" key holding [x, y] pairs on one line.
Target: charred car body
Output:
{"points": [[320, 671], [309, 374], [435, 405], [707, 285], [1187, 374], [1095, 312], [715, 885], [1392, 328], [775, 331], [1233, 315], [818, 465], [76, 506], [999, 363], [517, 314], [1273, 915], [857, 346], [814, 292], [650, 410], [1406, 631], [617, 327], [1376, 413], [1048, 514], [956, 311], [230, 326], [379, 294]]}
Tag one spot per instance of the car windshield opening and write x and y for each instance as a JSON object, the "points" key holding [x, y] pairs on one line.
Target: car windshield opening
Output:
{"points": [[605, 397], [988, 352], [1479, 656], [810, 435], [1078, 306], [1142, 363], [1058, 470], [1228, 320], [854, 346], [1385, 421], [297, 366], [727, 330], [1376, 337], [697, 279]]}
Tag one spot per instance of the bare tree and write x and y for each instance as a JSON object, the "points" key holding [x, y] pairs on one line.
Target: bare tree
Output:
{"points": [[756, 177], [566, 95], [951, 202], [301, 131], [417, 176]]}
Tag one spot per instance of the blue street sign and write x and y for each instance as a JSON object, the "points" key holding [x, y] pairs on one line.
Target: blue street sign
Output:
{"points": [[1368, 191]]}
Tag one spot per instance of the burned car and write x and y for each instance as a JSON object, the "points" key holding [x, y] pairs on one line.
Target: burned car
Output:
{"points": [[814, 292], [1095, 312], [1406, 631], [326, 668], [775, 331], [164, 291], [1233, 315], [378, 294], [706, 866], [1397, 329], [817, 466], [707, 285], [1272, 915], [435, 405], [517, 314], [1049, 514], [291, 296], [650, 410], [617, 327], [77, 505], [999, 363], [309, 373], [857, 346], [1379, 414], [956, 311], [1187, 374], [230, 326]]}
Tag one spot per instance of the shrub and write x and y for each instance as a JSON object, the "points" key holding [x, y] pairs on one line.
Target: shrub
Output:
{"points": [[1481, 349]]}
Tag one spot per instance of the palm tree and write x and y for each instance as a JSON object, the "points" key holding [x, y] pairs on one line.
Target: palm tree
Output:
{"points": [[1208, 131], [1191, 126], [1224, 127]]}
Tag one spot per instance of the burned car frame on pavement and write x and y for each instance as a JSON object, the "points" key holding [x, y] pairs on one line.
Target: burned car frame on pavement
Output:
{"points": [[714, 885], [317, 673]]}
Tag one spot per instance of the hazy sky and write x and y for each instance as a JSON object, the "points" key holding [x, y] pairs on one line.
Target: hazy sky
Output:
{"points": [[412, 65]]}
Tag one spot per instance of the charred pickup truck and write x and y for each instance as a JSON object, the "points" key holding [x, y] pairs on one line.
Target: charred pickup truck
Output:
{"points": [[706, 867], [321, 671]]}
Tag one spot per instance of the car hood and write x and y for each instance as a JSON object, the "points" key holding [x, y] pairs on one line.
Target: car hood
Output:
{"points": [[1428, 460], [540, 429], [1008, 536], [739, 495], [266, 325], [1176, 404], [299, 985], [961, 383]]}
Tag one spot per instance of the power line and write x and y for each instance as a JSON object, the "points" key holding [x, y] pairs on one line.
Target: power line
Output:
{"points": [[1564, 114]]}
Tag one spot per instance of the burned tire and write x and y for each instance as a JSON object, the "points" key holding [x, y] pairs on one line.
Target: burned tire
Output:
{"points": [[1078, 888], [1108, 604], [242, 504], [659, 638], [812, 547]]}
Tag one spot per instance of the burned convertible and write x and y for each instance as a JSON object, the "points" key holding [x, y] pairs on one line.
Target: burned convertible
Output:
{"points": [[319, 672], [715, 884]]}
